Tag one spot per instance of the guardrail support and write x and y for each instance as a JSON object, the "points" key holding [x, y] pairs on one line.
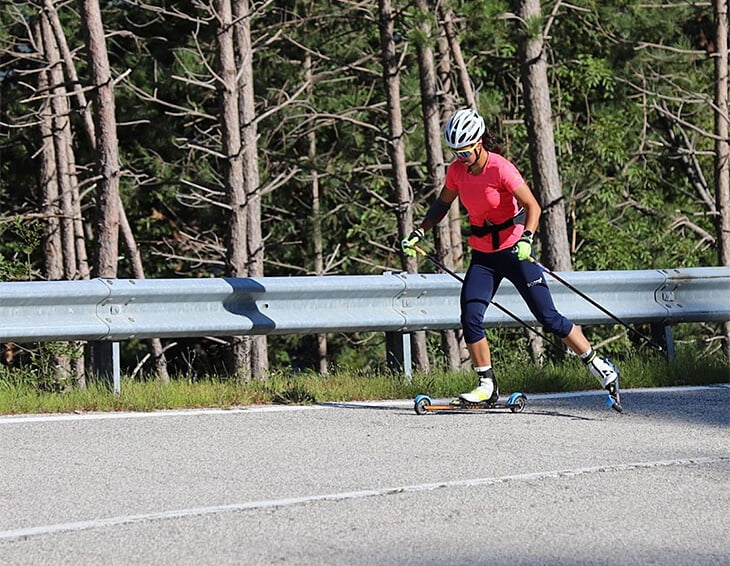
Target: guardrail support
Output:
{"points": [[106, 363], [398, 352], [662, 335]]}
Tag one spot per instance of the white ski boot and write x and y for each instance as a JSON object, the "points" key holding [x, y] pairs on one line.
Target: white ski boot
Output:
{"points": [[485, 392], [607, 374]]}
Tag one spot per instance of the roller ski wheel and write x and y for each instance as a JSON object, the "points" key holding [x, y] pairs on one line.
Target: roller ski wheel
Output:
{"points": [[423, 404]]}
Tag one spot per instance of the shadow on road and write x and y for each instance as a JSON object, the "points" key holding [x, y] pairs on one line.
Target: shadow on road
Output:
{"points": [[454, 412]]}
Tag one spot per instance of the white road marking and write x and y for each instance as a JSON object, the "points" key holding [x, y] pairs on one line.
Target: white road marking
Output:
{"points": [[29, 532], [398, 403], [46, 418]]}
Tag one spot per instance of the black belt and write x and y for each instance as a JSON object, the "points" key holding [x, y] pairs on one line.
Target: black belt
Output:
{"points": [[495, 229]]}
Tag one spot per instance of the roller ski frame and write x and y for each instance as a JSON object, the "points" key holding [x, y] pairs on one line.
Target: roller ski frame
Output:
{"points": [[423, 404]]}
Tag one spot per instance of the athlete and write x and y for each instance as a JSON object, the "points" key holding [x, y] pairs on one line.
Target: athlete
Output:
{"points": [[504, 215]]}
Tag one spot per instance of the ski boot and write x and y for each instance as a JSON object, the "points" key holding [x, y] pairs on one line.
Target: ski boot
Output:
{"points": [[608, 375], [485, 393]]}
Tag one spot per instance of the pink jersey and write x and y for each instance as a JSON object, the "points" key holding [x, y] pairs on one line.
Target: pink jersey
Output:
{"points": [[489, 197]]}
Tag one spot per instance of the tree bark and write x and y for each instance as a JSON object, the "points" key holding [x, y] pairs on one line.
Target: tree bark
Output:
{"points": [[435, 159], [251, 180], [233, 174], [722, 143], [61, 129], [396, 150], [555, 248], [52, 246], [107, 149], [316, 219], [135, 259], [447, 21], [49, 9]]}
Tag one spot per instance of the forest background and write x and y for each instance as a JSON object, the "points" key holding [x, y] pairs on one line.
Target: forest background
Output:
{"points": [[289, 138]]}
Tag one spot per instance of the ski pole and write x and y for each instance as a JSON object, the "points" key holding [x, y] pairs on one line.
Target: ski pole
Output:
{"points": [[597, 305], [513, 316]]}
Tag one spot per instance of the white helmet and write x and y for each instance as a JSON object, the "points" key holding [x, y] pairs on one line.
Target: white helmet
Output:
{"points": [[464, 128]]}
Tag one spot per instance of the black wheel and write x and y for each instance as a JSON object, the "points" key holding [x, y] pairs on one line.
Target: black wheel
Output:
{"points": [[518, 406], [421, 405]]}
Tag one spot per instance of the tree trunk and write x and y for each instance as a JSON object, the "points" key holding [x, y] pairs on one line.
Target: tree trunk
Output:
{"points": [[52, 246], [57, 160], [396, 149], [87, 121], [61, 128], [447, 21], [233, 170], [107, 149], [546, 181], [435, 159], [722, 145], [316, 219], [252, 188], [448, 96], [446, 89], [135, 259], [50, 10]]}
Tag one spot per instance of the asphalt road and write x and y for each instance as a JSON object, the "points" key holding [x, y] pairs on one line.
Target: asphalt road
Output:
{"points": [[566, 482]]}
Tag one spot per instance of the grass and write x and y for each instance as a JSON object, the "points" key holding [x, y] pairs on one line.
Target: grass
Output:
{"points": [[23, 396]]}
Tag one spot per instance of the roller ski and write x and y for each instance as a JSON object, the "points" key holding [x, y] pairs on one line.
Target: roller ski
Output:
{"points": [[423, 404], [608, 375], [485, 397]]}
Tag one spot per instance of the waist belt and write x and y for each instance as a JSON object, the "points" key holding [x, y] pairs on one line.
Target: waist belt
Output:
{"points": [[495, 229]]}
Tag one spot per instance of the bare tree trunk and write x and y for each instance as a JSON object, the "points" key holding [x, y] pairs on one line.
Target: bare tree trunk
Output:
{"points": [[87, 120], [396, 149], [447, 21], [107, 149], [316, 219], [61, 127], [52, 247], [448, 96], [435, 159], [50, 11], [546, 180], [155, 344], [56, 133], [251, 180], [722, 145], [233, 174]]}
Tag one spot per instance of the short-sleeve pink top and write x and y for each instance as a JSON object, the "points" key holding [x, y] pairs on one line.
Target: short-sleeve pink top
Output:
{"points": [[489, 197]]}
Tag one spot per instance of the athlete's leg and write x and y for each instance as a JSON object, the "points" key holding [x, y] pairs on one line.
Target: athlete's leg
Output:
{"points": [[529, 280], [479, 287]]}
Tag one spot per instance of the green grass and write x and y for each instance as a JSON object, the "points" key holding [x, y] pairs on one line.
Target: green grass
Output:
{"points": [[23, 395]]}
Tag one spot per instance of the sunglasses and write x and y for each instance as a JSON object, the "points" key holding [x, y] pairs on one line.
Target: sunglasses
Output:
{"points": [[465, 152]]}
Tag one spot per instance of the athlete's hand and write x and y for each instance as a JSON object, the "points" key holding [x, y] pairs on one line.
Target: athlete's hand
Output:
{"points": [[408, 243], [523, 248]]}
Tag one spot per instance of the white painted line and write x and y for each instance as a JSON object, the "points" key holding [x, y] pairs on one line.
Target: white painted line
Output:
{"points": [[17, 419], [397, 403], [29, 532]]}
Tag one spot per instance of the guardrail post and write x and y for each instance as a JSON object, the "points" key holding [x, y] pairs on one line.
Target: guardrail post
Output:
{"points": [[662, 335], [398, 352], [106, 363]]}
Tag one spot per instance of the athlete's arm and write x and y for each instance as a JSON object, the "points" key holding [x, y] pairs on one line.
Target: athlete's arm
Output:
{"points": [[439, 208], [527, 200]]}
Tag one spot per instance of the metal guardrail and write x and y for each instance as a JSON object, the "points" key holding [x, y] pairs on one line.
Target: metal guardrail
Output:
{"points": [[122, 309]]}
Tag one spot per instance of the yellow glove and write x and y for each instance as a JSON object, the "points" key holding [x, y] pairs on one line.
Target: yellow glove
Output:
{"points": [[523, 248], [413, 238]]}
